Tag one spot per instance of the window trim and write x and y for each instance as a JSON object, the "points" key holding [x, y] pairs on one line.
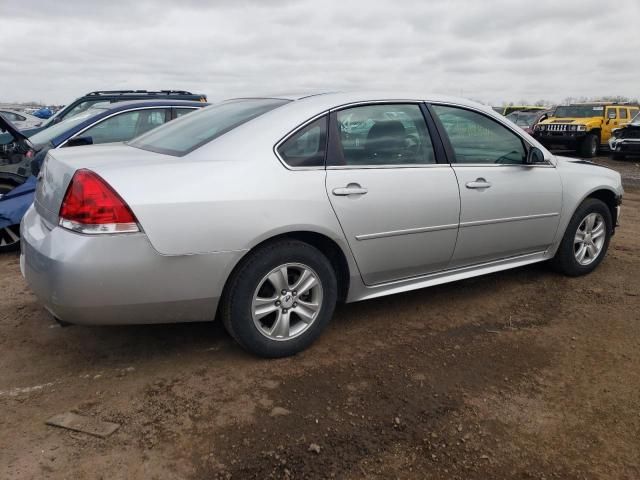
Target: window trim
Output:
{"points": [[450, 154], [334, 146], [293, 132], [134, 109]]}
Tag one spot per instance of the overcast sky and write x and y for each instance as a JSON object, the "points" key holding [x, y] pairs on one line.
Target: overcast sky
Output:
{"points": [[489, 50]]}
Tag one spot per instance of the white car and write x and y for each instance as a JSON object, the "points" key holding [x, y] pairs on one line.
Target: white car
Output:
{"points": [[21, 120]]}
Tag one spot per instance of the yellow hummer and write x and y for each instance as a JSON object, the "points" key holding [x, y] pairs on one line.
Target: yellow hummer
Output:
{"points": [[584, 127]]}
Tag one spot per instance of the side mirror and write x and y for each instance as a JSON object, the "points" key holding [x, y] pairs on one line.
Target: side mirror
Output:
{"points": [[535, 156], [78, 141]]}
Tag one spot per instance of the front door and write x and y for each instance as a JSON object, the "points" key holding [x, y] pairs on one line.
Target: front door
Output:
{"points": [[508, 208], [397, 206], [611, 122]]}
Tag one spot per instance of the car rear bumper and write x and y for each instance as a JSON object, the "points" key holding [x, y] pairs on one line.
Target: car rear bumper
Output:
{"points": [[118, 279]]}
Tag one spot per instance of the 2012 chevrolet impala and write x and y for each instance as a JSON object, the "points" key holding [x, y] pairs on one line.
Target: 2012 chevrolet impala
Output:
{"points": [[287, 205]]}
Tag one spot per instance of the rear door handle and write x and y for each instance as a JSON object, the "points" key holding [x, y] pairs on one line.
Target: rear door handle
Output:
{"points": [[351, 189], [479, 183]]}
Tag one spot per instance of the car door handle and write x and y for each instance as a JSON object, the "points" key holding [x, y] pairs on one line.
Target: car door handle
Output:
{"points": [[351, 189], [479, 183]]}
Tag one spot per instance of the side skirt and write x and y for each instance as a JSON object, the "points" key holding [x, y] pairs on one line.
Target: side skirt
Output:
{"points": [[360, 291]]}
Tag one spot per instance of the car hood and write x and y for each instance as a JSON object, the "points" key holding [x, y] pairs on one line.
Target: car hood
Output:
{"points": [[10, 127]]}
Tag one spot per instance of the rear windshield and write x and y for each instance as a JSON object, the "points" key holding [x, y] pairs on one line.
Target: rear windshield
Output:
{"points": [[189, 132]]}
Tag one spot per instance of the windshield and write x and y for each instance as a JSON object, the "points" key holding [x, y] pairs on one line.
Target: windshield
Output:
{"points": [[579, 111], [523, 119], [189, 132], [45, 136]]}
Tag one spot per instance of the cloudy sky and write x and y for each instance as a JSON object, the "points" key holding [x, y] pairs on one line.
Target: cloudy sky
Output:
{"points": [[489, 50]]}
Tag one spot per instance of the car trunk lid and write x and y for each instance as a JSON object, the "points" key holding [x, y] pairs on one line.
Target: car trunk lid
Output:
{"points": [[61, 164]]}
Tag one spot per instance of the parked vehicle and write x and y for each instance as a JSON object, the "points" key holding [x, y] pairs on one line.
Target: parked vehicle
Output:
{"points": [[528, 119], [515, 108], [108, 124], [44, 113], [20, 120], [583, 127], [625, 141], [92, 99], [281, 217]]}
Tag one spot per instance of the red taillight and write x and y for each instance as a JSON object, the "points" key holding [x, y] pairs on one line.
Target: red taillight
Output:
{"points": [[92, 206]]}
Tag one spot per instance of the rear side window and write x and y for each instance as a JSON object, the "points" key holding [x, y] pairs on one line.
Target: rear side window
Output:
{"points": [[306, 147], [189, 132], [622, 113], [125, 126], [383, 135], [183, 111]]}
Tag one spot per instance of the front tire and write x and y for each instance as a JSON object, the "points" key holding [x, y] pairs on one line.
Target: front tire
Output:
{"points": [[589, 145], [585, 240], [280, 299], [618, 156]]}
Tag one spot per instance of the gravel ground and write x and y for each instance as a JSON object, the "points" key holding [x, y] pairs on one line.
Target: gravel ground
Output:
{"points": [[520, 374]]}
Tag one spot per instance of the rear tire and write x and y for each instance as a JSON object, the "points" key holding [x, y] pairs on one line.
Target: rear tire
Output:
{"points": [[589, 145], [584, 246], [265, 313]]}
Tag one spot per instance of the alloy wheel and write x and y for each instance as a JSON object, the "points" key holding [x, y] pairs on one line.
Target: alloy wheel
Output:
{"points": [[589, 238], [287, 301]]}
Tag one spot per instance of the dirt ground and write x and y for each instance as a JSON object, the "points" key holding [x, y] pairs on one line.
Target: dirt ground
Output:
{"points": [[523, 374]]}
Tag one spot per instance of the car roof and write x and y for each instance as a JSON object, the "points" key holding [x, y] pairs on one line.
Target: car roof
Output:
{"points": [[328, 100], [161, 102]]}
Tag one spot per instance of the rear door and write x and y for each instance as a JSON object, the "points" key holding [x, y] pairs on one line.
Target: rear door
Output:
{"points": [[508, 208], [398, 207]]}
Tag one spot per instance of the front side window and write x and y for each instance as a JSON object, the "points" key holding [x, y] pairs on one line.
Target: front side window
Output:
{"points": [[306, 147], [476, 138], [383, 135], [611, 113], [81, 107], [185, 134], [125, 126]]}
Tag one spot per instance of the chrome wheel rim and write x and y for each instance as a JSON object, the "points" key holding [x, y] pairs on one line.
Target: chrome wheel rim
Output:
{"points": [[589, 239], [287, 301], [9, 236]]}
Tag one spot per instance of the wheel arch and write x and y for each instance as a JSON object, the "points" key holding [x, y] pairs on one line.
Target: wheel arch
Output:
{"points": [[334, 252], [610, 199]]}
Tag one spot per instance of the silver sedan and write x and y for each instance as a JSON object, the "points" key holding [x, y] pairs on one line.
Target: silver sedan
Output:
{"points": [[265, 212]]}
